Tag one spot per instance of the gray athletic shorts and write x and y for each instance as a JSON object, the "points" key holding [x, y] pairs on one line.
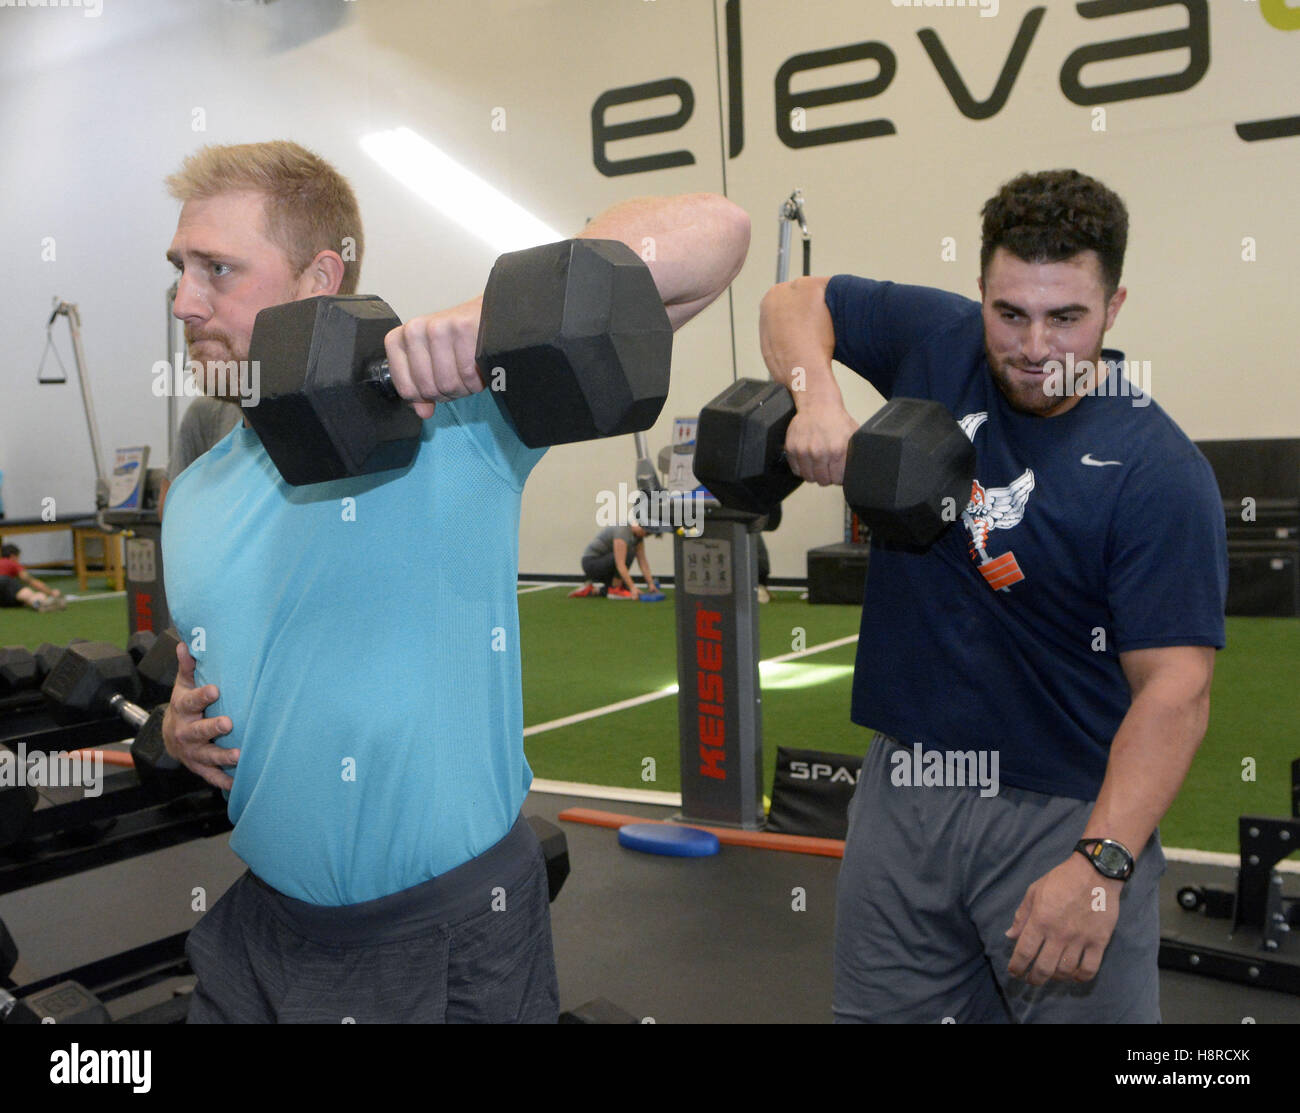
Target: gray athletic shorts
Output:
{"points": [[437, 952], [931, 881]]}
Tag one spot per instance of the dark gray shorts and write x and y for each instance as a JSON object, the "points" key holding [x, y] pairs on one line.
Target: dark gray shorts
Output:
{"points": [[10, 586], [601, 569], [473, 945], [931, 881]]}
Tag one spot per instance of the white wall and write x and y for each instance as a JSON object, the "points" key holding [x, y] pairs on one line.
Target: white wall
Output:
{"points": [[97, 110]]}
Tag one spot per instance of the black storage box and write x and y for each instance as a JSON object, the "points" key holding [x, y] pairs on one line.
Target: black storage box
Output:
{"points": [[1264, 578], [838, 573]]}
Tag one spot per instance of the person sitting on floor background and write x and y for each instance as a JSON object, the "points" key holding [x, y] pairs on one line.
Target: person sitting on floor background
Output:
{"points": [[19, 588]]}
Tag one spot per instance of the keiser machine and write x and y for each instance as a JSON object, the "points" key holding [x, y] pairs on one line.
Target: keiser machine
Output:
{"points": [[715, 566]]}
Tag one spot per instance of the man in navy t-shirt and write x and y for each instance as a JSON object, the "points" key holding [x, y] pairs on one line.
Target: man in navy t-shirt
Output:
{"points": [[1039, 679]]}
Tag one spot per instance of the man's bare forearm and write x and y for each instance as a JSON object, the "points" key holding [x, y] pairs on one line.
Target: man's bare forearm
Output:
{"points": [[1149, 759], [694, 245], [798, 341]]}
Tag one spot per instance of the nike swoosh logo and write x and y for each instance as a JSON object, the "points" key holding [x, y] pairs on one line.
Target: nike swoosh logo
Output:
{"points": [[1086, 458]]}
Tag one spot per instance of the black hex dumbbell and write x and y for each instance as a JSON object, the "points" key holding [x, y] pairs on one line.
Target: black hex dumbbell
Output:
{"points": [[153, 656], [47, 656], [740, 446], [17, 804], [94, 678], [18, 669], [8, 953], [555, 850], [574, 344], [137, 645], [158, 667], [907, 475], [90, 678]]}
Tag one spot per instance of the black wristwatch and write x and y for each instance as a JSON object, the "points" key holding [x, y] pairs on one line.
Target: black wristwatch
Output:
{"points": [[1108, 857]]}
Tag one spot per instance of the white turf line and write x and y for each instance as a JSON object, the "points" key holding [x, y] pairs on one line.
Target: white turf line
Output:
{"points": [[664, 693]]}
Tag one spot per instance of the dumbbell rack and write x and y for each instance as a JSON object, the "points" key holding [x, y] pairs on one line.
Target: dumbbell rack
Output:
{"points": [[70, 832], [119, 975]]}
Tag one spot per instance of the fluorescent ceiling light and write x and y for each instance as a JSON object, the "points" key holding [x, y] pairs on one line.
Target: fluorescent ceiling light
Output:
{"points": [[459, 194]]}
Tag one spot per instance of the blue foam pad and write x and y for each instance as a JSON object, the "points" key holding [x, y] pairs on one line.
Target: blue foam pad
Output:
{"points": [[651, 597], [666, 838]]}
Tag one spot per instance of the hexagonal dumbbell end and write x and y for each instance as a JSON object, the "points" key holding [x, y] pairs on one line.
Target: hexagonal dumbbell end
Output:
{"points": [[555, 849], [47, 656], [740, 446], [154, 765], [581, 338], [158, 667], [18, 669], [138, 644], [8, 953], [909, 471], [17, 803], [326, 408], [87, 675]]}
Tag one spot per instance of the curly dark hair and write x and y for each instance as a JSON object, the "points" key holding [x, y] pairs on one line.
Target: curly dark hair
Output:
{"points": [[1053, 215]]}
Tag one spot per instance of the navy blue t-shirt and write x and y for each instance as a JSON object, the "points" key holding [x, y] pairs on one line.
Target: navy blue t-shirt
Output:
{"points": [[1088, 534]]}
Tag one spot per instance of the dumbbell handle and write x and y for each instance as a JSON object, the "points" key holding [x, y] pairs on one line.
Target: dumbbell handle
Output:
{"points": [[133, 713], [138, 718], [377, 372]]}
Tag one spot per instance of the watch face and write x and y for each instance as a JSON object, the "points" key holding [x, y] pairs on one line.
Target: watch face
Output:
{"points": [[1112, 859]]}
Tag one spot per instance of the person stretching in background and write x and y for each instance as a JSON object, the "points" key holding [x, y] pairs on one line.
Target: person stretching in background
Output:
{"points": [[605, 564]]}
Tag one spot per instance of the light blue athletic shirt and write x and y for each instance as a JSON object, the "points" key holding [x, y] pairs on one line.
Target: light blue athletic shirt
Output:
{"points": [[364, 636]]}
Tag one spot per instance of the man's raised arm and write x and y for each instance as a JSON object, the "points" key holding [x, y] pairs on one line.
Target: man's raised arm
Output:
{"points": [[693, 243]]}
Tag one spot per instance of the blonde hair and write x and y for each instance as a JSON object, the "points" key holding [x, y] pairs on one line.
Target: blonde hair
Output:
{"points": [[309, 208]]}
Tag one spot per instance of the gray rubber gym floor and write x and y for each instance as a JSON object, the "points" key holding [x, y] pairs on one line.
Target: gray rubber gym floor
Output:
{"points": [[714, 940]]}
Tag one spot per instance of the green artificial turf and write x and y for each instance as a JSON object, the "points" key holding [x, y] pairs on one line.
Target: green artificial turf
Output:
{"points": [[612, 651], [1254, 713], [580, 654], [97, 615], [583, 654]]}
